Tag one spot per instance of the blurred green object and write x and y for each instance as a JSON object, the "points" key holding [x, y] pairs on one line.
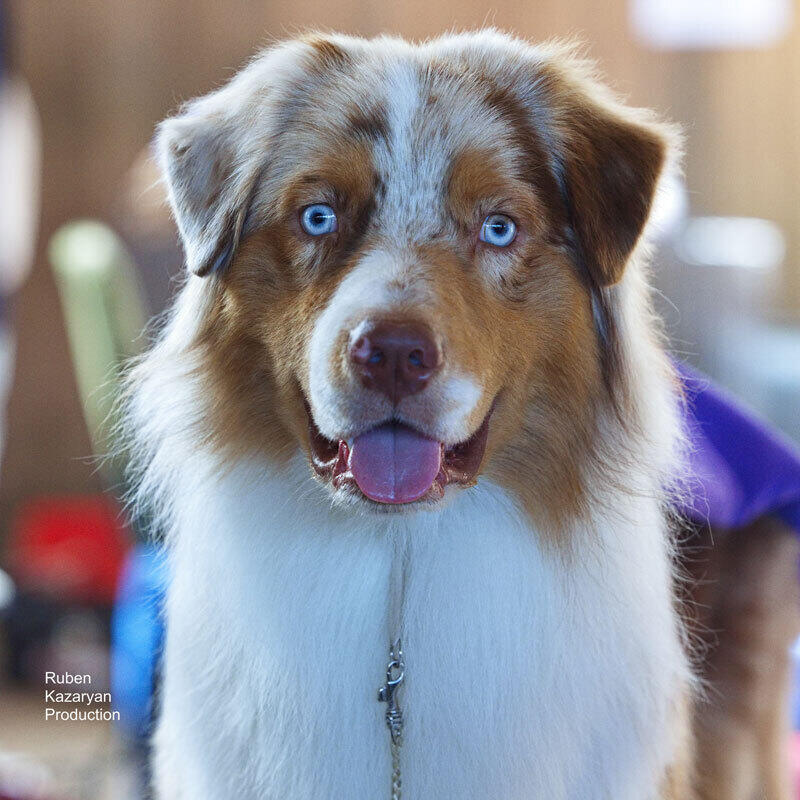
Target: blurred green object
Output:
{"points": [[105, 316]]}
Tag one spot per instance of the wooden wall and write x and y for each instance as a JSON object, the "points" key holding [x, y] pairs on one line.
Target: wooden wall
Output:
{"points": [[105, 71]]}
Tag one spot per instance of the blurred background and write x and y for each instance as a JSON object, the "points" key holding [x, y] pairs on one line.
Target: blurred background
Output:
{"points": [[83, 84]]}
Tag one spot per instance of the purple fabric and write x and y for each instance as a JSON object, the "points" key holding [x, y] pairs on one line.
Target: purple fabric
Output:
{"points": [[741, 467]]}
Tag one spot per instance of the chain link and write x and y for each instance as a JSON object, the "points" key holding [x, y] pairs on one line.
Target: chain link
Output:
{"points": [[397, 781]]}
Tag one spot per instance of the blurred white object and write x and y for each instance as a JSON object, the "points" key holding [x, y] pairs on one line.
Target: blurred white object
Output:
{"points": [[713, 275], [742, 242], [716, 279], [7, 590], [710, 24], [19, 178], [762, 363], [670, 207], [7, 353], [20, 158], [22, 776]]}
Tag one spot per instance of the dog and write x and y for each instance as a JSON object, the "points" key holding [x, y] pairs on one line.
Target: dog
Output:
{"points": [[410, 426]]}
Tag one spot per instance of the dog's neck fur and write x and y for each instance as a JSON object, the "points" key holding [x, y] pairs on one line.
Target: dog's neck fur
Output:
{"points": [[531, 672], [528, 675]]}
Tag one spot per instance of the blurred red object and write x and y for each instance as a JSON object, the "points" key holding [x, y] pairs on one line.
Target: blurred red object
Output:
{"points": [[69, 547]]}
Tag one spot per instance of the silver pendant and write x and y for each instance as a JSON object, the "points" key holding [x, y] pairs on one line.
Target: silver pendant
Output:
{"points": [[395, 673]]}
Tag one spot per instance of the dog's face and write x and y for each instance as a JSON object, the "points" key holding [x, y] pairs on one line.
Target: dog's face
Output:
{"points": [[408, 252]]}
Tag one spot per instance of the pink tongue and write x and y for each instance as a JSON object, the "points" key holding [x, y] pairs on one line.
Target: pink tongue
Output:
{"points": [[394, 464]]}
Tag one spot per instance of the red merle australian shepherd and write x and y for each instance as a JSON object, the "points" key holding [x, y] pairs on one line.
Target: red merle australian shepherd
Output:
{"points": [[410, 428]]}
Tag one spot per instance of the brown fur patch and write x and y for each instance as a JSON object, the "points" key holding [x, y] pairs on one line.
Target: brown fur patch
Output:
{"points": [[742, 603], [611, 164], [372, 125], [564, 190], [330, 54], [536, 165], [612, 172], [541, 347], [538, 360], [481, 183], [254, 340]]}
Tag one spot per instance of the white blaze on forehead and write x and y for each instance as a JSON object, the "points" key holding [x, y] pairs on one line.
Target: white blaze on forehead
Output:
{"points": [[412, 163], [403, 94], [430, 120]]}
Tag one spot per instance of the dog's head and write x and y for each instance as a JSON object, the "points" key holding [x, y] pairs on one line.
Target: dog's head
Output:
{"points": [[410, 254]]}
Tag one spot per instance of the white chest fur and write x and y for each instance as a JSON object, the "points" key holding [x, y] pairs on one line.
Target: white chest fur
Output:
{"points": [[527, 676]]}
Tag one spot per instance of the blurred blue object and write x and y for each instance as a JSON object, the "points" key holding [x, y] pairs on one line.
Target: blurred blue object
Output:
{"points": [[741, 468], [136, 635]]}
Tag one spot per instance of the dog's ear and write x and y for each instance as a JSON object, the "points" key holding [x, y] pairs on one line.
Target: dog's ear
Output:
{"points": [[213, 153], [611, 162], [208, 183]]}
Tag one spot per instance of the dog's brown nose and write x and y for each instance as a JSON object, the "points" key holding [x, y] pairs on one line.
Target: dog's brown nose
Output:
{"points": [[395, 358]]}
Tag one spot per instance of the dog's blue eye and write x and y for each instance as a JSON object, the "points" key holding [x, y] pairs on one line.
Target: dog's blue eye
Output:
{"points": [[498, 230], [318, 219]]}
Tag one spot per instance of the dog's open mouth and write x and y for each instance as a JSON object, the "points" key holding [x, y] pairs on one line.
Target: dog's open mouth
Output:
{"points": [[393, 463]]}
